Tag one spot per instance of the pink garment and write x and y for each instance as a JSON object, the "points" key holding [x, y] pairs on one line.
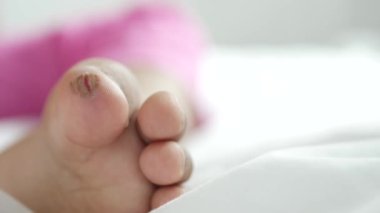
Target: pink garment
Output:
{"points": [[156, 35]]}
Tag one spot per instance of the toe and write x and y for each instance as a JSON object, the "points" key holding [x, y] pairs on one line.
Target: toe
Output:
{"points": [[165, 194], [161, 118], [165, 163], [88, 106], [89, 129]]}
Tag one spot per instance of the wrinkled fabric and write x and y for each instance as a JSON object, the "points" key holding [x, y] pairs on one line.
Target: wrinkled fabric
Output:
{"points": [[337, 178]]}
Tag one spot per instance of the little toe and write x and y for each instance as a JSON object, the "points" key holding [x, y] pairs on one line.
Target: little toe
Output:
{"points": [[161, 118], [165, 194], [165, 163]]}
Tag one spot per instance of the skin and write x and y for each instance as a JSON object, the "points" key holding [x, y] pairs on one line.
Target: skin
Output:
{"points": [[107, 142]]}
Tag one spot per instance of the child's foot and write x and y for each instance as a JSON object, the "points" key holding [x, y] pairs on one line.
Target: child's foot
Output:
{"points": [[88, 154]]}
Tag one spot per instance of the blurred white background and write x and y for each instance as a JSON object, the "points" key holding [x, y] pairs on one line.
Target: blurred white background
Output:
{"points": [[276, 91], [229, 22]]}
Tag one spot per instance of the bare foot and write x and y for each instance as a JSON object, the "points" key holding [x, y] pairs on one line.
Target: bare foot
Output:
{"points": [[88, 154]]}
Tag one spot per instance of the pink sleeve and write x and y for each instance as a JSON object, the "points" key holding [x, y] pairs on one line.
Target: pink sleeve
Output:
{"points": [[155, 34]]}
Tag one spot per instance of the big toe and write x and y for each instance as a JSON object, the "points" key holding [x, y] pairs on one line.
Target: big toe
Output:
{"points": [[86, 119], [92, 103]]}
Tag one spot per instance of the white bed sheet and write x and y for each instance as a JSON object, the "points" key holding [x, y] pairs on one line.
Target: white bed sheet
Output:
{"points": [[322, 99], [338, 178], [267, 99]]}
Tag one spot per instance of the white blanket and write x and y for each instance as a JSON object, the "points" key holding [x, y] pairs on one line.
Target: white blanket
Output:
{"points": [[335, 178]]}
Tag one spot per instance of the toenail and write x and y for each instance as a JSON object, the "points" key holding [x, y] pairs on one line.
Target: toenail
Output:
{"points": [[188, 169], [184, 159], [85, 85]]}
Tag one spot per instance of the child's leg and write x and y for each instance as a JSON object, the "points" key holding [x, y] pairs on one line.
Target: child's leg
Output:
{"points": [[149, 37]]}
